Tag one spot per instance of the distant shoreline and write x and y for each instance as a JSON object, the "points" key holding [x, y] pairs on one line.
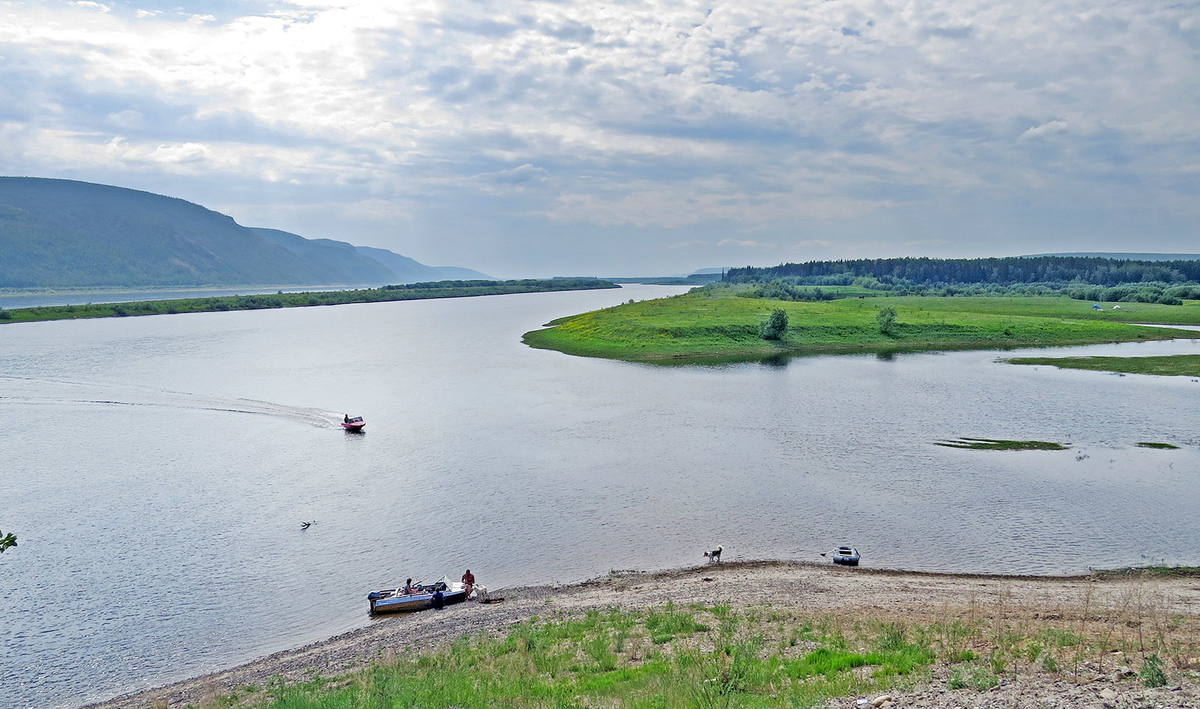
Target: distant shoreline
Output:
{"points": [[803, 588], [299, 299]]}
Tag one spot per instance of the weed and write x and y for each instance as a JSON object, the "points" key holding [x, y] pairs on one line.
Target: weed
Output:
{"points": [[1152, 673]]}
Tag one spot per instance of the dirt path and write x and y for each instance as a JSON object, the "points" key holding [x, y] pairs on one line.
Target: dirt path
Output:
{"points": [[1128, 603]]}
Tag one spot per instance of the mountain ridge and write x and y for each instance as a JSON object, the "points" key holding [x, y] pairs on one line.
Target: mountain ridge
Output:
{"points": [[58, 233]]}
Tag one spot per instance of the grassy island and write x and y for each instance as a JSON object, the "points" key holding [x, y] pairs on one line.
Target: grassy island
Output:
{"points": [[714, 324], [1167, 366], [407, 291], [993, 444]]}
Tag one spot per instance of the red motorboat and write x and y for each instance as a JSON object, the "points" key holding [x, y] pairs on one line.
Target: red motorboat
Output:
{"points": [[353, 424]]}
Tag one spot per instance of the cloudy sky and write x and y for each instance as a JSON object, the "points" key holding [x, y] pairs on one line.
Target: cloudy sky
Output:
{"points": [[615, 137]]}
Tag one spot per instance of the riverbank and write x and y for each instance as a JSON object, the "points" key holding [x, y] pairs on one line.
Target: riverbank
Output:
{"points": [[713, 325], [408, 291], [998, 641]]}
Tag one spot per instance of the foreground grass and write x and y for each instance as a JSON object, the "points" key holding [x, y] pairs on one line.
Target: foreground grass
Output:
{"points": [[409, 291], [1167, 366], [749, 657], [716, 325], [993, 444], [668, 657]]}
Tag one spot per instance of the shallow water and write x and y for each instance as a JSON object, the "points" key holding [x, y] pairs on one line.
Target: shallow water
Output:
{"points": [[157, 471]]}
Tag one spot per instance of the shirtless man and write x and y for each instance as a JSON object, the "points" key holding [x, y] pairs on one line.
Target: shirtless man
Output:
{"points": [[468, 580]]}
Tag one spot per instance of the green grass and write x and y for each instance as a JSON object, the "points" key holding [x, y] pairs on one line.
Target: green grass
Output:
{"points": [[1167, 365], [716, 658], [409, 291], [716, 325], [993, 444], [1158, 446]]}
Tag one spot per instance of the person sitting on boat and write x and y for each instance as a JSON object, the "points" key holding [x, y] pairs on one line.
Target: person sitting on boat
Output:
{"points": [[409, 589], [468, 580]]}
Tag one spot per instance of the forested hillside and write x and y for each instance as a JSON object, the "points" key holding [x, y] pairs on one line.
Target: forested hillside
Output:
{"points": [[68, 234]]}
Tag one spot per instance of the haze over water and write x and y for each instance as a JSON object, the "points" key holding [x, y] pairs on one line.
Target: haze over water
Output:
{"points": [[156, 471]]}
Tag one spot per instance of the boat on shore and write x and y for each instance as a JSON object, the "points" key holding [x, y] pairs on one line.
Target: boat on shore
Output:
{"points": [[845, 556], [442, 592], [353, 424]]}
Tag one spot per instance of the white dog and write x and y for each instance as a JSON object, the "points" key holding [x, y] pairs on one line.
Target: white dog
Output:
{"points": [[714, 556]]}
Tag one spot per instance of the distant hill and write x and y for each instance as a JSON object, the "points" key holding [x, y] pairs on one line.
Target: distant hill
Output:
{"points": [[1124, 257], [68, 234], [410, 271]]}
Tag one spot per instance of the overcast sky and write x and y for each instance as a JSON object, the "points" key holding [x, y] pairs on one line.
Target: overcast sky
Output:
{"points": [[629, 138]]}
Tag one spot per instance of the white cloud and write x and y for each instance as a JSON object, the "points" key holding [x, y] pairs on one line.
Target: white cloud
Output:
{"points": [[1045, 129], [89, 5], [744, 244], [179, 152]]}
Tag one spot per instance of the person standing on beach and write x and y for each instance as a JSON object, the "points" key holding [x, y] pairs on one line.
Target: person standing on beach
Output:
{"points": [[468, 580]]}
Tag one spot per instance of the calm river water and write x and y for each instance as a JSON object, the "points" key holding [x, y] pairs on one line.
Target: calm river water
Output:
{"points": [[157, 470]]}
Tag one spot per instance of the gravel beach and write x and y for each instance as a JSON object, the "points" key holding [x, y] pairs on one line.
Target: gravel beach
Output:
{"points": [[1129, 603]]}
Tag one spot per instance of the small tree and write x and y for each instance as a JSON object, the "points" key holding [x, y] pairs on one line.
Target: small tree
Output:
{"points": [[774, 326], [7, 540], [886, 319]]}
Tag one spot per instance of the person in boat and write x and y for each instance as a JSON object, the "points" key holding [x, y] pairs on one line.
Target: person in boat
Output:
{"points": [[468, 580], [345, 418], [409, 589]]}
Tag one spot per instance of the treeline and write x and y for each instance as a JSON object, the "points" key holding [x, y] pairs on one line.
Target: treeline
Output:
{"points": [[409, 291], [1081, 278], [994, 271]]}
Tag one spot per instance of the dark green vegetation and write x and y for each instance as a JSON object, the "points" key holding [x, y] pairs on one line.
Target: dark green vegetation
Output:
{"points": [[7, 541], [715, 324], [67, 234], [1167, 365], [994, 444], [1158, 446], [667, 657], [1081, 277], [774, 326], [411, 291]]}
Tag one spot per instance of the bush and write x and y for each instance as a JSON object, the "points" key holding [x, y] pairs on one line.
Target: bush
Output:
{"points": [[773, 327], [886, 317], [5, 315]]}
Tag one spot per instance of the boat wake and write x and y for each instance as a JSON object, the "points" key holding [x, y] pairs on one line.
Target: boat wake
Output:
{"points": [[54, 392]]}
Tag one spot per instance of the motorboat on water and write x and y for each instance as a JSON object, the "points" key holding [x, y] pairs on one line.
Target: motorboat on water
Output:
{"points": [[353, 424], [846, 556], [442, 592]]}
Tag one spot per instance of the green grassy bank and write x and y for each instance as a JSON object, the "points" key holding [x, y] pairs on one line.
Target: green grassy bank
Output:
{"points": [[1167, 366], [409, 291], [697, 656], [715, 324], [700, 656]]}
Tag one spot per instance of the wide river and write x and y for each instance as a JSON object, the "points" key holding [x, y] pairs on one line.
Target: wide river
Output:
{"points": [[157, 469]]}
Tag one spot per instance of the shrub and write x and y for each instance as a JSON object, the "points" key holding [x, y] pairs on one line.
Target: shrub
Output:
{"points": [[5, 315], [886, 317], [773, 327], [1152, 672]]}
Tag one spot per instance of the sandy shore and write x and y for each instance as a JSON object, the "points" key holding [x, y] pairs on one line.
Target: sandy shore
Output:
{"points": [[1126, 602]]}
